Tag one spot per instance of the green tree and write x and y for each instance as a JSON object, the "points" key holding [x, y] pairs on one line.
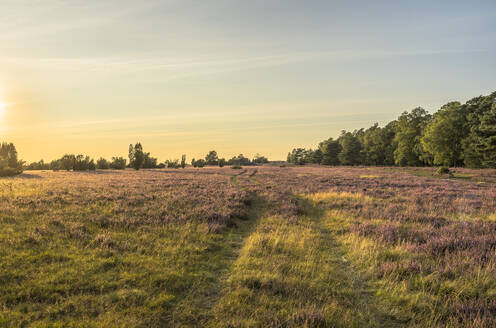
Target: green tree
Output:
{"points": [[297, 156], [212, 158], [102, 164], [67, 162], [10, 165], [378, 145], [239, 160], [316, 156], [149, 162], [350, 148], [81, 163], [91, 165], [444, 134], [486, 132], [475, 147], [118, 163], [199, 163], [330, 150], [410, 126], [259, 159], [172, 163], [183, 161], [136, 156]]}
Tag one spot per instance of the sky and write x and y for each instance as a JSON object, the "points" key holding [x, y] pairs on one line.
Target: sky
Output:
{"points": [[259, 76]]}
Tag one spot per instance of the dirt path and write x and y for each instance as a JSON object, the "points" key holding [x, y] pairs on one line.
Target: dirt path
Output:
{"points": [[229, 245], [292, 275]]}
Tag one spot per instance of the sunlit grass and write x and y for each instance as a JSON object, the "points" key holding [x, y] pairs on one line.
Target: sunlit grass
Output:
{"points": [[369, 177], [333, 195], [406, 282], [294, 276]]}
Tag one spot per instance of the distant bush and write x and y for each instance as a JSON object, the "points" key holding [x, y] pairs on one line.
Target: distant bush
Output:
{"points": [[443, 170], [198, 163], [236, 167], [239, 160], [102, 164], [172, 164], [91, 165], [41, 165], [55, 165], [118, 163], [66, 162], [70, 162], [149, 162], [6, 171], [259, 159], [82, 163], [212, 158]]}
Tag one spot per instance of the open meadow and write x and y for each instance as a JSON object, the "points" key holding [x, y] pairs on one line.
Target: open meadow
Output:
{"points": [[254, 247]]}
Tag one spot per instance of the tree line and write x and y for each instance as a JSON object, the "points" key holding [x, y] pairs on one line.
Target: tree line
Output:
{"points": [[212, 158], [456, 135], [137, 159]]}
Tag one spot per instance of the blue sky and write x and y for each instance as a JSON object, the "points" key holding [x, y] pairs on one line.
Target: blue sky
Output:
{"points": [[236, 76]]}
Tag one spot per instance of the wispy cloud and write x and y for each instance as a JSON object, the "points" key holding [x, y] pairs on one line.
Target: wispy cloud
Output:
{"points": [[180, 68]]}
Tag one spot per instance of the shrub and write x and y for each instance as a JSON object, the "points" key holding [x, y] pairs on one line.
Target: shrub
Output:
{"points": [[6, 171], [102, 164], [118, 163], [91, 165], [82, 163], [239, 160], [172, 164], [236, 167], [259, 159], [41, 165], [67, 162], [443, 170], [198, 163]]}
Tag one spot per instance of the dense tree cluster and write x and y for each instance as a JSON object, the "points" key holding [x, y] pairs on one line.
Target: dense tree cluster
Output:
{"points": [[198, 162], [70, 162], [456, 135]]}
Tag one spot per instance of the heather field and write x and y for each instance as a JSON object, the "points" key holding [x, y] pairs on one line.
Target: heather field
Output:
{"points": [[255, 247]]}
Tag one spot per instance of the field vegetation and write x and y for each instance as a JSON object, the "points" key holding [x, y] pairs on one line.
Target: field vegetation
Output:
{"points": [[260, 246]]}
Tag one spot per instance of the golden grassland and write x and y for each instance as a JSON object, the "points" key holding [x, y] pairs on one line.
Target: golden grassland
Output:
{"points": [[265, 246]]}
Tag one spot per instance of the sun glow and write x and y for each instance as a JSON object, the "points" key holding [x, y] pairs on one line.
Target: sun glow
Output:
{"points": [[3, 104], [3, 107]]}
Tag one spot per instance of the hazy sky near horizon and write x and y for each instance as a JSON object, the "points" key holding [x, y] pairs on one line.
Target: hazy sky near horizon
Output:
{"points": [[236, 76]]}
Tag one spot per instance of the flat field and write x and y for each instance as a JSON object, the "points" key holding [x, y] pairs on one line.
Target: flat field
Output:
{"points": [[257, 247]]}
